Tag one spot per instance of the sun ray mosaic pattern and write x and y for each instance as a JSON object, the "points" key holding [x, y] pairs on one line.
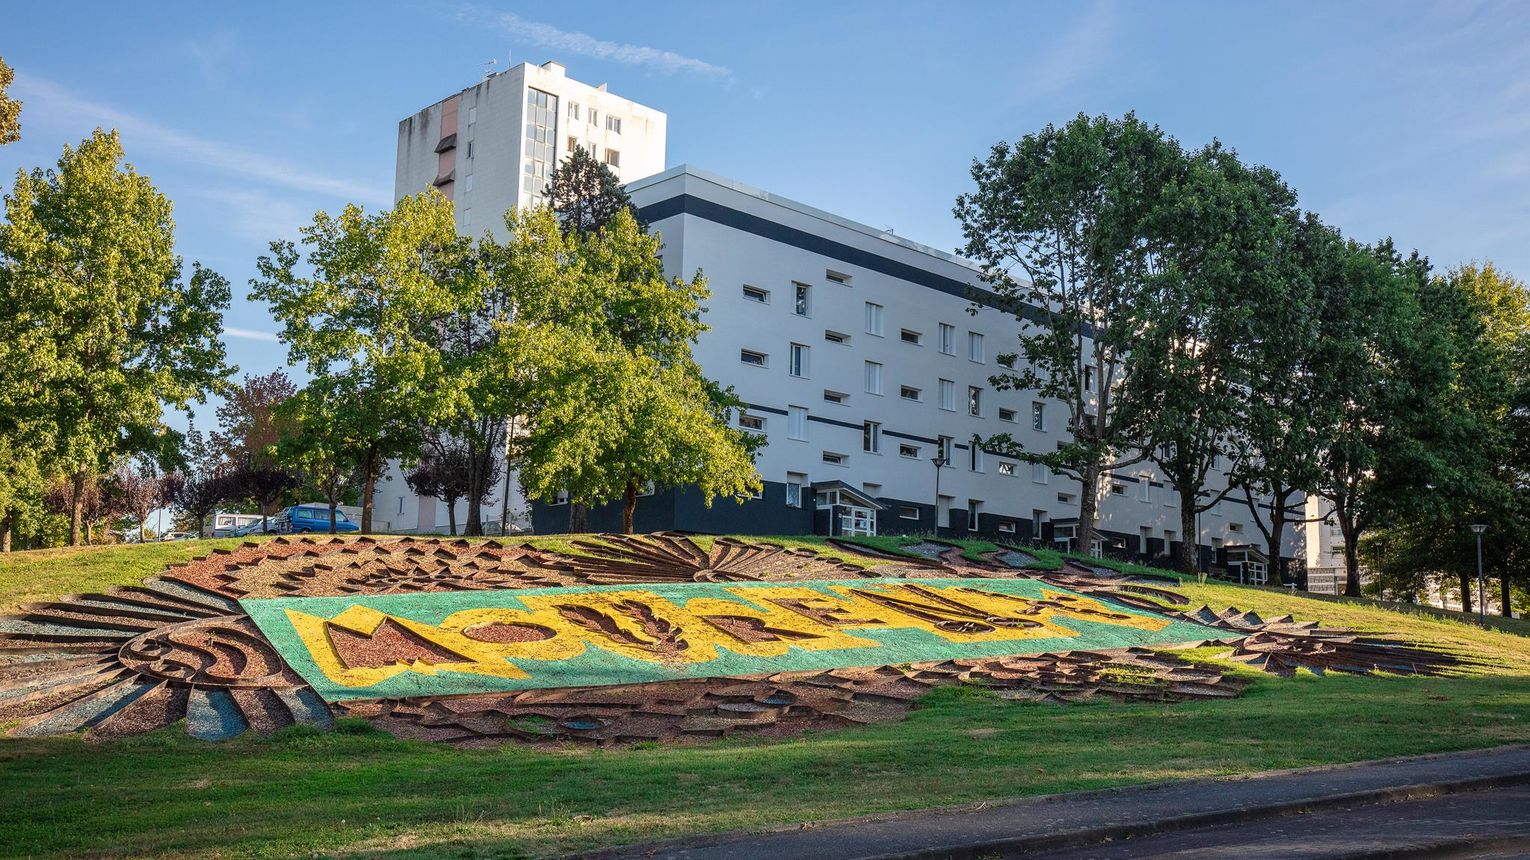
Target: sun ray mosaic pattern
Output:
{"points": [[628, 638]]}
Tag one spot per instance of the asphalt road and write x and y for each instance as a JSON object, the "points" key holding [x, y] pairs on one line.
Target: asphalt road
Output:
{"points": [[1488, 823]]}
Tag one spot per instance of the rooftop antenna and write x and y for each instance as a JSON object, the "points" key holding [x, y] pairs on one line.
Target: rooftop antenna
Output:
{"points": [[488, 67]]}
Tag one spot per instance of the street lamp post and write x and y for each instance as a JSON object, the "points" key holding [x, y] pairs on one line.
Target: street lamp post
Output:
{"points": [[1478, 529], [939, 462]]}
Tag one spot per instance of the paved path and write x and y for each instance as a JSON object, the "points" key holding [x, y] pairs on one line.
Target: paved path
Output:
{"points": [[1211, 818]]}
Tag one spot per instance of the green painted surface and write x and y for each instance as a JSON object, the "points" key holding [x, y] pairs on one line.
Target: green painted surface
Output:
{"points": [[591, 657]]}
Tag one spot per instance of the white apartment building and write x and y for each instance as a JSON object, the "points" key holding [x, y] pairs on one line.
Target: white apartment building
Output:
{"points": [[493, 146], [858, 350]]}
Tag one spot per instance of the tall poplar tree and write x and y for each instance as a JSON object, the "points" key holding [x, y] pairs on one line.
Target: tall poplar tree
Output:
{"points": [[93, 296]]}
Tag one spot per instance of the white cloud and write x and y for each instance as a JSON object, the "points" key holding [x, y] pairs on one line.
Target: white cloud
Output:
{"points": [[584, 45], [1073, 56], [46, 101], [250, 334]]}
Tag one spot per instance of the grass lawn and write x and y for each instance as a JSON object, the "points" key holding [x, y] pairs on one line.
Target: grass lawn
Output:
{"points": [[362, 794]]}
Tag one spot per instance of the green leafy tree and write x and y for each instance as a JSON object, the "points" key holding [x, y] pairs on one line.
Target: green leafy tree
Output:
{"points": [[328, 459], [1221, 285], [10, 109], [585, 194], [362, 316], [617, 402], [93, 294], [1063, 225]]}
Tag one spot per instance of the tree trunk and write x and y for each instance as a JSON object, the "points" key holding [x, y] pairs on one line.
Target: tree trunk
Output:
{"points": [[1276, 538], [1351, 565], [1505, 610], [629, 504], [1190, 542], [371, 486], [333, 520], [578, 518], [451, 516], [76, 508], [10, 521], [474, 525], [1466, 593], [1088, 506]]}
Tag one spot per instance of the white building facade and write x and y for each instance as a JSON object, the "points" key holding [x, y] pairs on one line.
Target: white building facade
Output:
{"points": [[862, 355]]}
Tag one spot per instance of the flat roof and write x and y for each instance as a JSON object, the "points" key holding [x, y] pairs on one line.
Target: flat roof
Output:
{"points": [[801, 209]]}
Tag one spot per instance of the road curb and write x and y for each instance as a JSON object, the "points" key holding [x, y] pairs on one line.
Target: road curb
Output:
{"points": [[973, 849], [1095, 835]]}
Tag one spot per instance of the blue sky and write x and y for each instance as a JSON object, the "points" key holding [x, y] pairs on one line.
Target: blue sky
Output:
{"points": [[1400, 119]]}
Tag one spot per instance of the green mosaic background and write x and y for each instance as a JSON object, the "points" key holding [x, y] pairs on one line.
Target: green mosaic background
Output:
{"points": [[596, 667]]}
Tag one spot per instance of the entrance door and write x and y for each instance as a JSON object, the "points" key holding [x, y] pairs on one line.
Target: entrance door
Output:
{"points": [[854, 520]]}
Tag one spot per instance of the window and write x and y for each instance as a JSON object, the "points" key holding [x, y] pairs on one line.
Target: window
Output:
{"points": [[1007, 526], [467, 218], [594, 116], [755, 294], [943, 447], [1007, 469], [1170, 536], [470, 150], [1065, 498], [909, 451], [974, 508], [1040, 474], [802, 292], [1006, 414], [541, 131], [573, 112], [1117, 489], [837, 397], [749, 356], [1144, 489], [1088, 379], [974, 458], [947, 395], [874, 319], [593, 150], [1237, 527], [1006, 361], [560, 497], [912, 337], [871, 437], [974, 401], [873, 377], [613, 157], [798, 366], [472, 114], [751, 422], [400, 504], [573, 144], [837, 277], [467, 182], [908, 512], [794, 482], [974, 347], [796, 423], [1039, 416], [909, 392], [948, 339], [834, 459], [836, 337], [614, 123]]}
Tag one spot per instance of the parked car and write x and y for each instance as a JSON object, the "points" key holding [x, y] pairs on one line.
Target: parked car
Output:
{"points": [[315, 518], [178, 536], [271, 526]]}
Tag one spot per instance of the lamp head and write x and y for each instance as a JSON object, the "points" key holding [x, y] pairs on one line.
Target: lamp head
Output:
{"points": [[1478, 528], [940, 462]]}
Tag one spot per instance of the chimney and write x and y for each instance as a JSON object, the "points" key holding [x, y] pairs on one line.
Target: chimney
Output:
{"points": [[554, 66]]}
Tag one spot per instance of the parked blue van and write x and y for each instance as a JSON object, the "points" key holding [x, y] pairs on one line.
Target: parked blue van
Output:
{"points": [[315, 518]]}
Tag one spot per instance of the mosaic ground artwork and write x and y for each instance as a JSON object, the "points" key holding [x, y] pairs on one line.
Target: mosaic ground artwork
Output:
{"points": [[455, 643], [629, 637]]}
